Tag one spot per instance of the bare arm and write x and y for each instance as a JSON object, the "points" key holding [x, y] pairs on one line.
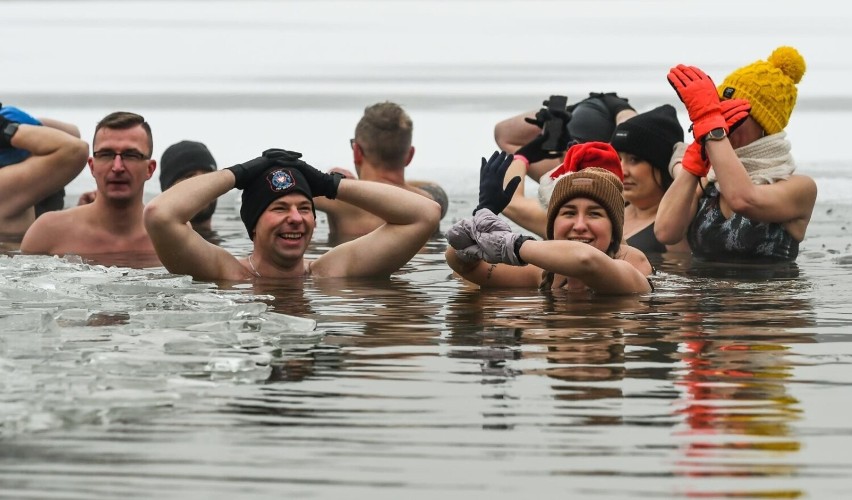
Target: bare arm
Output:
{"points": [[512, 133], [68, 128], [410, 219], [677, 208], [493, 275], [523, 211], [596, 269], [783, 201], [56, 159], [180, 248]]}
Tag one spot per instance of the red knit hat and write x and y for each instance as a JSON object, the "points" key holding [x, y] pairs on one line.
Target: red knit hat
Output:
{"points": [[590, 154]]}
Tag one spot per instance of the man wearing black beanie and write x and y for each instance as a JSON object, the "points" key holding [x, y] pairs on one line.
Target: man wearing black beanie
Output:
{"points": [[278, 212]]}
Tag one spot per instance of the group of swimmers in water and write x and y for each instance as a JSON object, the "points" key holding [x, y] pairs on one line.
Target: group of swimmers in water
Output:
{"points": [[614, 186]]}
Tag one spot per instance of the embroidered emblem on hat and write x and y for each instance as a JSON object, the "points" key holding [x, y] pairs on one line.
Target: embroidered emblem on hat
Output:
{"points": [[728, 92], [280, 180]]}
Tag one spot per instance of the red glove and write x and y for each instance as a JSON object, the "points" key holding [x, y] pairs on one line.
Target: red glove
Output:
{"points": [[693, 162], [735, 112], [699, 95]]}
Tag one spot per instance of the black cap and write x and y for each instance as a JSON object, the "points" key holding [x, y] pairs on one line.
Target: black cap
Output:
{"points": [[650, 136], [264, 189], [183, 157]]}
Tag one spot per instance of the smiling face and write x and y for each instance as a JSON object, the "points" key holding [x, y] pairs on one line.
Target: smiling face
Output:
{"points": [[642, 182], [121, 179], [584, 220], [284, 230]]}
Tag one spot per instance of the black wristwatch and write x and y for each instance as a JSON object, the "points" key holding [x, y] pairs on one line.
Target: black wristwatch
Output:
{"points": [[717, 134], [9, 131]]}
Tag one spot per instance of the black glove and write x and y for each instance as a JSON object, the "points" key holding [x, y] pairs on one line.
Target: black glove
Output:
{"points": [[491, 193], [534, 150], [244, 173], [321, 183], [548, 113], [613, 103]]}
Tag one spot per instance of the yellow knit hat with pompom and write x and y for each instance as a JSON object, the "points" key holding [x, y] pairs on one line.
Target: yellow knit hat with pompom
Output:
{"points": [[769, 86]]}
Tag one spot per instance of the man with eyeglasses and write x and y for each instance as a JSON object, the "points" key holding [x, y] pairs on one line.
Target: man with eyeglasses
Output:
{"points": [[110, 229], [381, 150], [37, 159]]}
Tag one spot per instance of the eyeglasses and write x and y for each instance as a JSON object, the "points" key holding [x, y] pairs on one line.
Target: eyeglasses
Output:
{"points": [[352, 143], [108, 155]]}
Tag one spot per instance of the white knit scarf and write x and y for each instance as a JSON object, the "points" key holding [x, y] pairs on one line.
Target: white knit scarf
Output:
{"points": [[766, 160]]}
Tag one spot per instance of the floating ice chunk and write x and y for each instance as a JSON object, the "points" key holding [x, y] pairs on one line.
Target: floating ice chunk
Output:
{"points": [[27, 321], [230, 365], [284, 322], [73, 317]]}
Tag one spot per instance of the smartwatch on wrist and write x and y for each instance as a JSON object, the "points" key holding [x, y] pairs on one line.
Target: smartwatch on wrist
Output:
{"points": [[717, 134], [9, 131]]}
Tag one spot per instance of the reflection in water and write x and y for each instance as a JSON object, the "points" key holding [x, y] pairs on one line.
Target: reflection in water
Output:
{"points": [[497, 392]]}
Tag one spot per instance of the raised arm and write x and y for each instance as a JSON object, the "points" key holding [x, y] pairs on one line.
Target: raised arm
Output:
{"points": [[522, 210], [680, 202], [789, 200], [56, 158], [180, 248], [410, 219]]}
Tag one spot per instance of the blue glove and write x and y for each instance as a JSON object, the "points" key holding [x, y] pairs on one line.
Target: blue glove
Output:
{"points": [[491, 193], [10, 155]]}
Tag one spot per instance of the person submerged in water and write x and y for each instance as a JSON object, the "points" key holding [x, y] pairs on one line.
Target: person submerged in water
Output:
{"points": [[754, 207], [278, 213], [582, 252]]}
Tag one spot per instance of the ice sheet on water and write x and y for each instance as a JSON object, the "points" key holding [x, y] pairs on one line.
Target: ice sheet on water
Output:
{"points": [[87, 343]]}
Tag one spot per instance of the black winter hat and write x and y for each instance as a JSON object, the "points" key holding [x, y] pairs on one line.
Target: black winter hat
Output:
{"points": [[650, 136], [274, 183], [183, 157]]}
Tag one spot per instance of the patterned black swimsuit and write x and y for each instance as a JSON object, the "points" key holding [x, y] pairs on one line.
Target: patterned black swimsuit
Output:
{"points": [[713, 237]]}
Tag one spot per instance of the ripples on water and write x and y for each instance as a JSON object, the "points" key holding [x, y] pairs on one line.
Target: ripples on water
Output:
{"points": [[727, 381]]}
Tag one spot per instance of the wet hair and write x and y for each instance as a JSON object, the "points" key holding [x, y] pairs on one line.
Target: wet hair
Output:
{"points": [[384, 133], [123, 120]]}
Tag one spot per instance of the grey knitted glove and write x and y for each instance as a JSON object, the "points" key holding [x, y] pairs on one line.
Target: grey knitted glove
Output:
{"points": [[460, 237], [496, 240]]}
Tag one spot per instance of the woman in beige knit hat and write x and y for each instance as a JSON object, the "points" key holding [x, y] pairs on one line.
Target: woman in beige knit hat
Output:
{"points": [[582, 253], [753, 205]]}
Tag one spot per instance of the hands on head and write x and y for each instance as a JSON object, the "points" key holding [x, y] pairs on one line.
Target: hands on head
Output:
{"points": [[321, 184], [706, 112]]}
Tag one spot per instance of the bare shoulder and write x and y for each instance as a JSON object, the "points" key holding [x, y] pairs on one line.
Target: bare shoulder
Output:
{"points": [[433, 191], [44, 231], [636, 258]]}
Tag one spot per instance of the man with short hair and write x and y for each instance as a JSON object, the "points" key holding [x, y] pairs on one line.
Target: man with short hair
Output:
{"points": [[381, 150], [278, 211], [112, 224], [35, 162]]}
